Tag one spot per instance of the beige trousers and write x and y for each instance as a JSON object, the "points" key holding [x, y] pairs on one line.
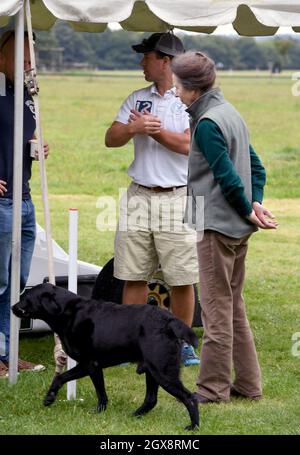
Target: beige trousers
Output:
{"points": [[227, 341]]}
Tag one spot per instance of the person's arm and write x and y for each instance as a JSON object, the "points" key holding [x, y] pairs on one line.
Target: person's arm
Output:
{"points": [[46, 151], [262, 217], [45, 147], [118, 135], [258, 179], [258, 176], [123, 129], [212, 144], [176, 142], [121, 132]]}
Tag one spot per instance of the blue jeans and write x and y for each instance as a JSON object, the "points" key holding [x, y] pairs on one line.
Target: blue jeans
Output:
{"points": [[27, 247]]}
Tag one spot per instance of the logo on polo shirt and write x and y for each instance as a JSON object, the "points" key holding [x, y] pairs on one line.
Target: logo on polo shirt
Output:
{"points": [[30, 105], [142, 106]]}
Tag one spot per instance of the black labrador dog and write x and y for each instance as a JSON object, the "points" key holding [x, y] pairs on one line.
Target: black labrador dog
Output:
{"points": [[99, 334]]}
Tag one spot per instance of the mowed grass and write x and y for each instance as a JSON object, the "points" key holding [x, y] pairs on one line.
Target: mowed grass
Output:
{"points": [[76, 111]]}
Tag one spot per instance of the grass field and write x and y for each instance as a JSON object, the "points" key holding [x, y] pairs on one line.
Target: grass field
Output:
{"points": [[76, 111]]}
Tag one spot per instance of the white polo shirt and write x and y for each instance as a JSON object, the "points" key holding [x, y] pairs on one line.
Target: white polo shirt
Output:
{"points": [[154, 164]]}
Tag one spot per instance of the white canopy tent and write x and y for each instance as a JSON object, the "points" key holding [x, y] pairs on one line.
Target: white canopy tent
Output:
{"points": [[249, 18], [252, 17]]}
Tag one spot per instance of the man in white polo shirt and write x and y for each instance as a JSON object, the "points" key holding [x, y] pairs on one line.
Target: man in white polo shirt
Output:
{"points": [[151, 230]]}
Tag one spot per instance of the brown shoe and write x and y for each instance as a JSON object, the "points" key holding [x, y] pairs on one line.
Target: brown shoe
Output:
{"points": [[237, 394], [23, 365], [3, 370], [203, 400]]}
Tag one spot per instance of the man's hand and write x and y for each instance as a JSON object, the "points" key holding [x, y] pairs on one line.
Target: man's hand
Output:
{"points": [[3, 188], [46, 151], [262, 217], [143, 123]]}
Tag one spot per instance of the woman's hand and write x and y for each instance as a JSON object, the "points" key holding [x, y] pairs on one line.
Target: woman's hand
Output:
{"points": [[262, 217]]}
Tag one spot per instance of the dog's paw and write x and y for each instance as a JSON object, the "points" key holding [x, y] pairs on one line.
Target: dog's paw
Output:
{"points": [[146, 407], [101, 407], [49, 398], [191, 427], [139, 412]]}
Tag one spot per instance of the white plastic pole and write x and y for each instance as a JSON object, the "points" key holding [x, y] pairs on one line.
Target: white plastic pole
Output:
{"points": [[17, 195], [72, 283]]}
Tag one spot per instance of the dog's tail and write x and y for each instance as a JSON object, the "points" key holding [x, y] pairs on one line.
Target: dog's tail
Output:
{"points": [[183, 331]]}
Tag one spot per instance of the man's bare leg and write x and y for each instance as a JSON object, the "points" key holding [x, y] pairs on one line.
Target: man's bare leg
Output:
{"points": [[183, 303], [135, 292], [183, 306]]}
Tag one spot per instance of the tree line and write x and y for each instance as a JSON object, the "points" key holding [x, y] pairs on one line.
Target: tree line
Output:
{"points": [[64, 48]]}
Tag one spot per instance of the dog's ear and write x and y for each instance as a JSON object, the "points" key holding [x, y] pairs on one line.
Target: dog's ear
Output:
{"points": [[50, 303]]}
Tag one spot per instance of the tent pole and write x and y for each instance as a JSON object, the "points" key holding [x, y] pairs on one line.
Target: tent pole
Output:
{"points": [[17, 194], [72, 283], [40, 147], [59, 354]]}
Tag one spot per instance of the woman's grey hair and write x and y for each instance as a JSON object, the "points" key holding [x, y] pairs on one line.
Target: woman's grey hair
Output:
{"points": [[194, 70]]}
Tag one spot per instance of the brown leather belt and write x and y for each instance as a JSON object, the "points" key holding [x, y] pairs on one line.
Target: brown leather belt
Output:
{"points": [[161, 189]]}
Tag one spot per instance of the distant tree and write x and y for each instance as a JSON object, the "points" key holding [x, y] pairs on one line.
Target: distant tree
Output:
{"points": [[250, 54], [269, 53], [46, 45], [76, 45], [293, 57], [46, 39], [115, 50], [283, 47], [112, 49], [220, 49]]}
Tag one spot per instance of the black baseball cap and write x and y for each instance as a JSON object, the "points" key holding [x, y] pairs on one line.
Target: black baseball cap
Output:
{"points": [[167, 43], [6, 37]]}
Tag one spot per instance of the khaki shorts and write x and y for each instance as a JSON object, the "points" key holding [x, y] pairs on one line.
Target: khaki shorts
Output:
{"points": [[150, 233]]}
